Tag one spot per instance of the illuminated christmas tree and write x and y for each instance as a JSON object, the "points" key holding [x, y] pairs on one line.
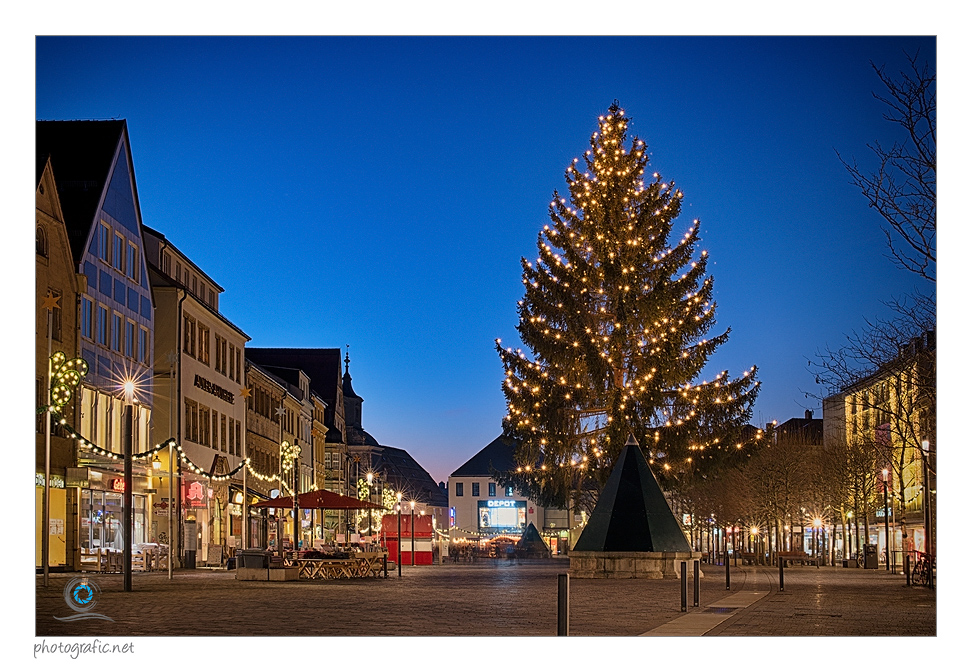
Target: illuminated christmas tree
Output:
{"points": [[616, 320]]}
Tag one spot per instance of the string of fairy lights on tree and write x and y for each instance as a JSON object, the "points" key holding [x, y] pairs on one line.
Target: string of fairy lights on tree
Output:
{"points": [[617, 322]]}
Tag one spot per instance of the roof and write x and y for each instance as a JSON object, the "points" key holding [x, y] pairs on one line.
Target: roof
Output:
{"points": [[322, 365], [632, 513], [81, 155], [401, 470], [496, 456]]}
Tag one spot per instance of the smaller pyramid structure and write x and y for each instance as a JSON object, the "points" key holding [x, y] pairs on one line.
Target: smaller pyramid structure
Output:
{"points": [[632, 513], [531, 544]]}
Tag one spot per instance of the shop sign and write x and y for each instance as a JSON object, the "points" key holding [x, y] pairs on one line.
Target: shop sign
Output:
{"points": [[213, 389], [78, 477], [496, 503], [116, 484], [160, 507], [57, 526], [195, 495], [56, 481]]}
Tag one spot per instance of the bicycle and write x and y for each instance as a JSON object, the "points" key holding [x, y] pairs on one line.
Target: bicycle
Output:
{"points": [[921, 573]]}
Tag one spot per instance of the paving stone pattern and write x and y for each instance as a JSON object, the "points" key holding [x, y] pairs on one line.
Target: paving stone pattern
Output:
{"points": [[489, 598]]}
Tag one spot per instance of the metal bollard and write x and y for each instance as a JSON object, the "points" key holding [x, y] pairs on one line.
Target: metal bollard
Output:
{"points": [[781, 561], [684, 587], [696, 600], [563, 605], [727, 570], [907, 569]]}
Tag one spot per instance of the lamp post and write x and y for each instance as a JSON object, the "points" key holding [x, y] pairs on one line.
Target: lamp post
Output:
{"points": [[887, 534], [925, 455], [398, 507], [412, 526], [127, 427], [371, 533]]}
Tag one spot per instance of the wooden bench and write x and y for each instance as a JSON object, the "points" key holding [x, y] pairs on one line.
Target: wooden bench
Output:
{"points": [[793, 556], [748, 558]]}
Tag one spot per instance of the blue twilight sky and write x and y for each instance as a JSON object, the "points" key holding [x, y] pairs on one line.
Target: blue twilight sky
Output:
{"points": [[379, 192]]}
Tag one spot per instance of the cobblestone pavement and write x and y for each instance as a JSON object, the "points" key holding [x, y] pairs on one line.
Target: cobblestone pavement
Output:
{"points": [[489, 598]]}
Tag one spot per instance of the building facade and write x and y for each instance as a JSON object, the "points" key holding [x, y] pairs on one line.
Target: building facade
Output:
{"points": [[481, 510], [55, 331], [199, 370], [91, 162], [892, 415]]}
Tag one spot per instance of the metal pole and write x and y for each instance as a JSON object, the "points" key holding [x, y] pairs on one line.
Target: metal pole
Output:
{"points": [[695, 600], [171, 508], [887, 532], [46, 529], [781, 561], [127, 425], [412, 525], [727, 571], [399, 563], [684, 587], [563, 605]]}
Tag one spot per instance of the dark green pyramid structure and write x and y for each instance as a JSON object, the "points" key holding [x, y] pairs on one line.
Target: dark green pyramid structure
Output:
{"points": [[531, 544], [632, 514]]}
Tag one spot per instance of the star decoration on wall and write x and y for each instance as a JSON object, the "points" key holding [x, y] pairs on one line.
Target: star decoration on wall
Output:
{"points": [[50, 301], [245, 392]]}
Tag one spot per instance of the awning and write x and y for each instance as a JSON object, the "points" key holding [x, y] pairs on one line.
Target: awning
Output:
{"points": [[317, 499]]}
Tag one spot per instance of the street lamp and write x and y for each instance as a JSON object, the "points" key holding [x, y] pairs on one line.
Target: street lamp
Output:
{"points": [[398, 507], [926, 495], [412, 525], [887, 536], [371, 532], [127, 435]]}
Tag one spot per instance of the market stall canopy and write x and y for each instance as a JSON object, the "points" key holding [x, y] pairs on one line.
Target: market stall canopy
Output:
{"points": [[316, 499]]}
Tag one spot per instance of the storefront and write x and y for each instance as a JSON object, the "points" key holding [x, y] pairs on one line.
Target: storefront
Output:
{"points": [[101, 510], [59, 523]]}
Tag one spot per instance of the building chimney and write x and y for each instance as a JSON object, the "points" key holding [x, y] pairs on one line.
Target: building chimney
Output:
{"points": [[808, 415]]}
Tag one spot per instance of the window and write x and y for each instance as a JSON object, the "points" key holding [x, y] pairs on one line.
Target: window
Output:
{"points": [[166, 263], [215, 429], [232, 361], [204, 344], [102, 326], [130, 335], [220, 360], [118, 256], [191, 421], [194, 286], [189, 335], [239, 436], [117, 332], [143, 345], [232, 437], [87, 317], [458, 489], [509, 491], [222, 432], [492, 489], [133, 265], [41, 241], [104, 242], [203, 425], [239, 368], [327, 461], [475, 492]]}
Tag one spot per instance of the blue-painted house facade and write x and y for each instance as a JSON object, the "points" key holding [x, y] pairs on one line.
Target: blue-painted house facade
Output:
{"points": [[93, 167]]}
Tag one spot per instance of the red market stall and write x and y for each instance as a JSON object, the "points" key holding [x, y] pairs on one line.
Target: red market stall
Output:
{"points": [[422, 538]]}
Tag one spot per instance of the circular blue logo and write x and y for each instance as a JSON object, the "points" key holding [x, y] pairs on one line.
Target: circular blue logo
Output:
{"points": [[81, 594]]}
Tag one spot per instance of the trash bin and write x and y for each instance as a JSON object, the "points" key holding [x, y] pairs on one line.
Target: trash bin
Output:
{"points": [[870, 556], [253, 558]]}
